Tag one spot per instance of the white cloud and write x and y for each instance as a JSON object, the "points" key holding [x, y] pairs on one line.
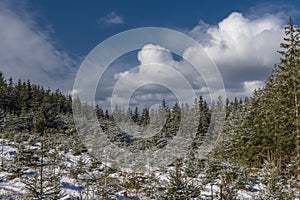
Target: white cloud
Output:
{"points": [[250, 86], [152, 58], [154, 54], [26, 52], [238, 39], [112, 18], [244, 49], [156, 72]]}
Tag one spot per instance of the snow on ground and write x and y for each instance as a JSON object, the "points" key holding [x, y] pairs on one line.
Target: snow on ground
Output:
{"points": [[11, 184], [244, 195], [70, 187], [207, 190], [7, 151]]}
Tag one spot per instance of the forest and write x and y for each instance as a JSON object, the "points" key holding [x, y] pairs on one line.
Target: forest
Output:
{"points": [[257, 155]]}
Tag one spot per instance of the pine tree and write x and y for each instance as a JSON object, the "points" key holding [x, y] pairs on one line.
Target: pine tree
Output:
{"points": [[287, 80], [179, 186], [231, 131], [275, 185], [165, 111], [212, 172], [3, 92], [99, 112], [106, 116], [45, 183], [289, 71], [2, 125], [145, 118], [271, 128], [215, 130], [136, 115], [175, 118], [204, 120]]}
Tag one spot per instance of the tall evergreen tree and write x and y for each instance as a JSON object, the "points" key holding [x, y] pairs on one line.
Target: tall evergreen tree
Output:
{"points": [[136, 115], [204, 118], [175, 118], [99, 112], [145, 118], [2, 125], [289, 72], [271, 127]]}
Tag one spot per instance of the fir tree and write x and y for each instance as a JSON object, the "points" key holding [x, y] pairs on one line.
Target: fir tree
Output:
{"points": [[289, 73], [175, 118], [136, 115], [275, 185], [271, 128], [204, 120], [145, 118], [2, 125]]}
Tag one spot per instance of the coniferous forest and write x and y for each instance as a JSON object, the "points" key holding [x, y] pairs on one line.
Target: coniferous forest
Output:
{"points": [[256, 157]]}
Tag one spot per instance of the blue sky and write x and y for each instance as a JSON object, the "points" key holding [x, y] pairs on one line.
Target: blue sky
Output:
{"points": [[78, 28], [46, 41]]}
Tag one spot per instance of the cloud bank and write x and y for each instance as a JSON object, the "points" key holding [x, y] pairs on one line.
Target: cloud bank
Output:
{"points": [[243, 49], [27, 52]]}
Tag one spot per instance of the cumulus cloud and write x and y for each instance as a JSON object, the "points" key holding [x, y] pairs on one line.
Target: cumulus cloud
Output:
{"points": [[238, 39], [156, 74], [244, 49], [154, 54], [26, 52], [152, 58], [159, 76], [112, 18]]}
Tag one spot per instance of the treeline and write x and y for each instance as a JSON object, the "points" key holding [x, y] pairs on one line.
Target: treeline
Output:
{"points": [[26, 97], [27, 107], [171, 115], [268, 128]]}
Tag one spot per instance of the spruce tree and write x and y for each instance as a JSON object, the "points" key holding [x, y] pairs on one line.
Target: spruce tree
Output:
{"points": [[271, 128], [136, 115], [145, 118], [2, 125], [289, 71], [175, 119], [288, 79], [204, 120]]}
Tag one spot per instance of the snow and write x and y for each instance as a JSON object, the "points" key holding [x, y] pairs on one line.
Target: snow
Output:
{"points": [[9, 152], [70, 187], [244, 195], [11, 184], [14, 185], [207, 190]]}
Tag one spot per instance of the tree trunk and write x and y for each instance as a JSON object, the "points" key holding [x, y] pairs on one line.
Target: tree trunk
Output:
{"points": [[2, 151], [297, 130]]}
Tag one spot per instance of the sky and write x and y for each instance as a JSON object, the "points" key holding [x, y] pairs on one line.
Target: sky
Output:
{"points": [[47, 42]]}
